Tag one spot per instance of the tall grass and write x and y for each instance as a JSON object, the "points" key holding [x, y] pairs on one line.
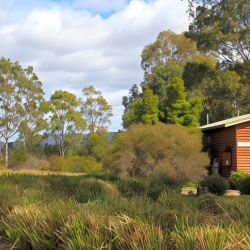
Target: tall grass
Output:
{"points": [[96, 212]]}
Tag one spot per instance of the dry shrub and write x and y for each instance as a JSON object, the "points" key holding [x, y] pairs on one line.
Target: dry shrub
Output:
{"points": [[145, 150], [35, 163]]}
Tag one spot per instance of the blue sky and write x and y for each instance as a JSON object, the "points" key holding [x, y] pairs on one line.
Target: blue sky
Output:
{"points": [[75, 43]]}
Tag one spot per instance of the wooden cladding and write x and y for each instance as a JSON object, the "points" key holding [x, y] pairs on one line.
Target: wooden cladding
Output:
{"points": [[222, 139], [243, 147], [231, 146]]}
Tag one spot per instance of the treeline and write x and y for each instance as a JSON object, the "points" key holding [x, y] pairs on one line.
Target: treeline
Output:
{"points": [[199, 76], [25, 115]]}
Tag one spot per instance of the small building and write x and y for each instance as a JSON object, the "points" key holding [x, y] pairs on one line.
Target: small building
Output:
{"points": [[229, 143]]}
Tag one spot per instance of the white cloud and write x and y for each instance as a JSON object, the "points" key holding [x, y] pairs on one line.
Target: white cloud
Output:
{"points": [[70, 49]]}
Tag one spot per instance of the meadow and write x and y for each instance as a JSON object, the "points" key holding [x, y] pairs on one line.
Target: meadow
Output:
{"points": [[103, 211]]}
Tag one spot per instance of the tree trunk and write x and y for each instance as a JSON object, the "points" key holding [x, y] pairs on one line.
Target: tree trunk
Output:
{"points": [[6, 153]]}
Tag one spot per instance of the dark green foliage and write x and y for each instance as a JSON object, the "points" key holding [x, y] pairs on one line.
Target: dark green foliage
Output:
{"points": [[142, 109], [159, 184], [236, 177], [244, 185], [131, 187], [90, 189], [215, 183]]}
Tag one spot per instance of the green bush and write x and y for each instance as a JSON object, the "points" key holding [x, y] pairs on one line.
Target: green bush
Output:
{"points": [[215, 183], [191, 184], [131, 187], [80, 164], [76, 164], [244, 185], [158, 184], [236, 177], [17, 157], [57, 163]]}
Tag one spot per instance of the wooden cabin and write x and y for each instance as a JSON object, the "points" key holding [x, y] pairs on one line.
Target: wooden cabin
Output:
{"points": [[229, 142]]}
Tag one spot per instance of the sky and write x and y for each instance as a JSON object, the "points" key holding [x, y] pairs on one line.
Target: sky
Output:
{"points": [[76, 43]]}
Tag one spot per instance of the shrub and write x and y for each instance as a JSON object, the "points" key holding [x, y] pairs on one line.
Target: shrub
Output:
{"points": [[215, 183], [57, 163], [131, 187], [92, 189], [35, 163], [145, 150], [18, 155], [236, 177], [77, 164], [244, 185], [80, 164], [191, 184], [158, 184]]}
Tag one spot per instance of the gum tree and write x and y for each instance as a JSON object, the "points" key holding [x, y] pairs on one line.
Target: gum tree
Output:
{"points": [[66, 122]]}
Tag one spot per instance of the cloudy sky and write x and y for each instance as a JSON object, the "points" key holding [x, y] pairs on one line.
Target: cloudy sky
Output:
{"points": [[75, 43]]}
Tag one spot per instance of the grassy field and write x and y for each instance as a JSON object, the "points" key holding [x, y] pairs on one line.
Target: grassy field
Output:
{"points": [[106, 212]]}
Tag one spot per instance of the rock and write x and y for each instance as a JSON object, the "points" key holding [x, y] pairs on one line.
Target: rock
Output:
{"points": [[189, 191], [232, 193]]}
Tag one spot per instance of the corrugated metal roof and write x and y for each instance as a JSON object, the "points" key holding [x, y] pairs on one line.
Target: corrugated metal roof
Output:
{"points": [[226, 123]]}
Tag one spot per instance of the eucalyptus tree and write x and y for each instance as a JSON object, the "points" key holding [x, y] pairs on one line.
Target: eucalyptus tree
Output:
{"points": [[66, 122], [31, 95], [11, 108], [222, 28], [95, 109]]}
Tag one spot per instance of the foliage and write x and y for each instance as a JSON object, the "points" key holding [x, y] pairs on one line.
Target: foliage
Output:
{"points": [[191, 184], [142, 110], [20, 98], [76, 164], [244, 185], [92, 189], [96, 146], [130, 187], [222, 28], [38, 212], [168, 47], [18, 156], [236, 177], [95, 109], [159, 184], [215, 183], [144, 150], [66, 121]]}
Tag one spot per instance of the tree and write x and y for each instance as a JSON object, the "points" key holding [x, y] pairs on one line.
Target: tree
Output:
{"points": [[150, 111], [168, 47], [222, 28], [32, 98], [133, 94], [178, 110], [224, 96], [11, 109], [66, 122], [171, 149], [143, 109], [95, 109], [96, 146]]}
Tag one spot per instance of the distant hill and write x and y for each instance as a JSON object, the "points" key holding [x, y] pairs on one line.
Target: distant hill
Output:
{"points": [[50, 140]]}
